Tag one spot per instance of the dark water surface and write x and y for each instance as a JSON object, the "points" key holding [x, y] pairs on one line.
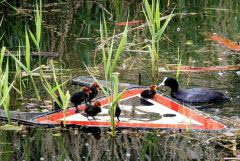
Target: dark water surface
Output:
{"points": [[71, 28]]}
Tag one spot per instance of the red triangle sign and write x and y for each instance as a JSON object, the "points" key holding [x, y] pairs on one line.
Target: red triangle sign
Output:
{"points": [[160, 113]]}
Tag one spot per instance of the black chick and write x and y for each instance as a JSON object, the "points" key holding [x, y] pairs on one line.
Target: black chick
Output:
{"points": [[118, 112], [55, 104], [93, 110], [94, 91], [148, 94], [79, 97]]}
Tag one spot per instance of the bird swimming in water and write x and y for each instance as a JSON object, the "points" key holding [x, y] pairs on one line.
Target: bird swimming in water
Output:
{"points": [[80, 97], [95, 88], [148, 94], [194, 95], [93, 110]]}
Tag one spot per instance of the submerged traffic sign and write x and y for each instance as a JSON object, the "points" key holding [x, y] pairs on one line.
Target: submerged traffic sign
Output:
{"points": [[160, 112]]}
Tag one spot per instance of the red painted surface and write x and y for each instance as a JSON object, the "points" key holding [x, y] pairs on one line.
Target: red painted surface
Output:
{"points": [[208, 123], [226, 42]]}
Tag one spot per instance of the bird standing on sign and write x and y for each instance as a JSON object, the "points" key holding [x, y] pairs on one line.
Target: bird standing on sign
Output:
{"points": [[148, 94], [80, 97], [95, 88], [93, 110]]}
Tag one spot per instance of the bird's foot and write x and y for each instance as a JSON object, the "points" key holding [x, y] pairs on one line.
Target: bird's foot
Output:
{"points": [[77, 111]]}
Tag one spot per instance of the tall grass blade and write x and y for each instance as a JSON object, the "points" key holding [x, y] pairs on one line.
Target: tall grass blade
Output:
{"points": [[179, 64], [151, 26], [109, 59], [152, 55], [20, 63], [28, 72], [38, 22], [157, 16], [95, 79], [34, 39], [4, 92], [160, 33], [2, 57], [27, 51], [0, 26], [148, 11], [65, 97], [119, 49]]}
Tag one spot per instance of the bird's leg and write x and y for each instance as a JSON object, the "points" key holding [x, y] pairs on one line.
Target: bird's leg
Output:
{"points": [[77, 110], [87, 117], [93, 117], [87, 102], [118, 119]]}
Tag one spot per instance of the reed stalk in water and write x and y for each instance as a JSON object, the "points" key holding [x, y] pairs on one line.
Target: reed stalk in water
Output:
{"points": [[64, 97], [5, 88], [153, 18], [38, 26], [110, 60]]}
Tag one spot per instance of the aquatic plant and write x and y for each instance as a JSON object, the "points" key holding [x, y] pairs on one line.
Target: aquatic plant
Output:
{"points": [[153, 18], [0, 26], [38, 26], [27, 70], [4, 86], [109, 64], [18, 73], [64, 97], [179, 60]]}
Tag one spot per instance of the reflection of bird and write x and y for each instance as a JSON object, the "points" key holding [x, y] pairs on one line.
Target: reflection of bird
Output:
{"points": [[93, 110], [55, 104], [194, 95], [79, 97], [117, 112], [148, 94], [95, 131], [94, 91]]}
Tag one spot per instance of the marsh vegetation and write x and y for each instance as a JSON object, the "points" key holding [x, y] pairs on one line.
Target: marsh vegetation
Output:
{"points": [[114, 41]]}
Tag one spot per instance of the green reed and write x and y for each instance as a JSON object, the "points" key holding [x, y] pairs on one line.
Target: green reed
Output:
{"points": [[153, 18], [179, 60], [65, 97], [18, 77], [5, 87], [0, 26], [109, 67], [27, 51], [38, 26], [110, 60], [28, 71]]}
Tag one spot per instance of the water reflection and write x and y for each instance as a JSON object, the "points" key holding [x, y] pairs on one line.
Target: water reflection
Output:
{"points": [[48, 144]]}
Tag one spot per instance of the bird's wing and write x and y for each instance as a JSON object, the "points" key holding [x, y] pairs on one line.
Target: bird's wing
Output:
{"points": [[194, 95]]}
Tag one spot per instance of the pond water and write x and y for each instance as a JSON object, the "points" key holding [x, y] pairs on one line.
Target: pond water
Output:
{"points": [[71, 28]]}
